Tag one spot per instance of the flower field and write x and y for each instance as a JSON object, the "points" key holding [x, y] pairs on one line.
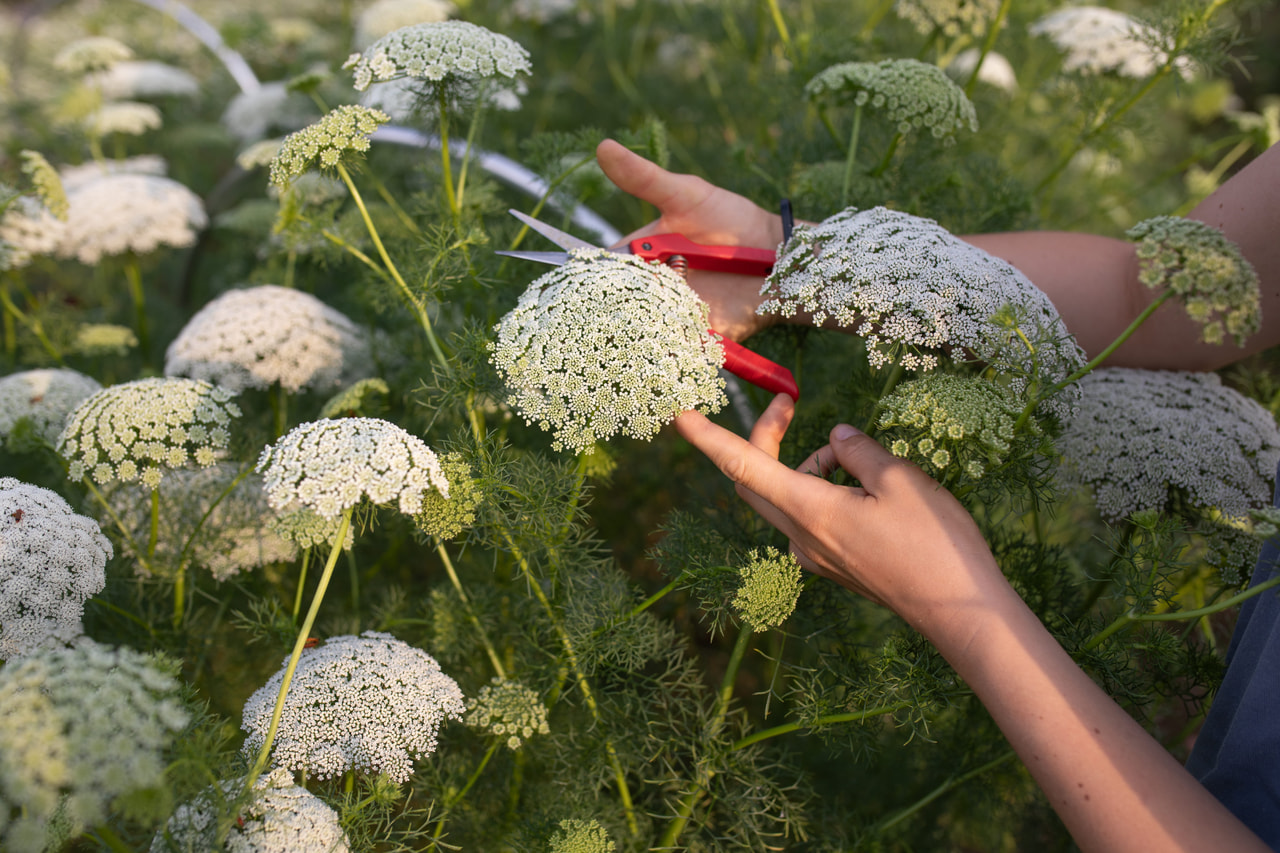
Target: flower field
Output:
{"points": [[325, 527]]}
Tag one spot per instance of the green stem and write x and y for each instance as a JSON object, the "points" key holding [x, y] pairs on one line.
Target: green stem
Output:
{"points": [[13, 312], [780, 25], [642, 606], [107, 836], [290, 264], [888, 155], [134, 275], [948, 785], [302, 582], [988, 42], [457, 798], [829, 719], [849, 158], [154, 535], [472, 132], [446, 164], [119, 523], [876, 16], [385, 194], [891, 381], [281, 407], [471, 614], [353, 572]]}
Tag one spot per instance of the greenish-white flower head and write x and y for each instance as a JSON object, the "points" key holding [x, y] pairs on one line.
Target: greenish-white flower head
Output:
{"points": [[581, 836], [508, 710], [308, 529], [251, 116], [136, 430], [95, 53], [44, 398], [131, 118], [386, 16], [913, 94], [608, 344], [951, 426], [331, 465], [1216, 284], [118, 213], [47, 183], [768, 589], [1098, 40], [447, 52], [379, 722], [324, 143], [259, 154], [280, 817], [29, 229], [135, 80], [949, 18], [83, 727], [95, 340], [51, 561], [996, 70], [447, 517]]}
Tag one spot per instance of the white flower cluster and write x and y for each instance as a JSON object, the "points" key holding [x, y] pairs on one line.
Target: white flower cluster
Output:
{"points": [[769, 588], [75, 177], [250, 116], [29, 229], [280, 817], [329, 466], [508, 709], [120, 213], [448, 51], [580, 836], [608, 343], [132, 118], [370, 703], [259, 336], [1097, 40], [912, 289], [44, 398], [133, 430], [95, 340], [950, 18], [51, 561], [913, 94], [83, 726], [346, 128], [132, 79], [385, 16], [359, 398], [258, 154], [1216, 284], [996, 70], [94, 53]]}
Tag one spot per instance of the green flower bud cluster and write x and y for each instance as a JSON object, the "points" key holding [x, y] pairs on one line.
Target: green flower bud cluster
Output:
{"points": [[913, 94], [446, 517], [947, 424], [360, 398], [95, 340], [581, 836], [508, 709], [769, 589], [1217, 286], [346, 128]]}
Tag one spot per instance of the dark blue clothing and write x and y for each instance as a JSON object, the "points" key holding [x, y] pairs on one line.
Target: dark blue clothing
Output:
{"points": [[1237, 753]]}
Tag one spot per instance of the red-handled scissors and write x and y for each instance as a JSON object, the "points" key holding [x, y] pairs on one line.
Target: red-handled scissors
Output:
{"points": [[682, 254]]}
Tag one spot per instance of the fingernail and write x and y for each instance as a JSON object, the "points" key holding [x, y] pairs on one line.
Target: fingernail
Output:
{"points": [[844, 431]]}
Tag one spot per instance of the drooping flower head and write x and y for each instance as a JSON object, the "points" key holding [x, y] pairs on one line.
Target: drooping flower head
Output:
{"points": [[258, 336], [44, 398], [94, 53], [508, 710], [134, 80], [446, 517], [608, 344], [131, 118], [914, 291], [581, 836], [912, 94], [51, 561], [346, 128], [447, 52], [1216, 284], [949, 18], [120, 213], [385, 16], [135, 430], [280, 817], [1097, 40], [83, 727], [769, 588], [951, 426], [370, 703], [329, 466], [47, 183]]}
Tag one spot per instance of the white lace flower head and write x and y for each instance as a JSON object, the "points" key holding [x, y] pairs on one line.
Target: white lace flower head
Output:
{"points": [[51, 561], [1097, 40], [448, 51], [75, 177], [346, 128], [133, 79], [769, 588], [44, 397], [280, 817], [370, 703], [508, 710], [949, 18], [580, 836], [259, 154], [83, 726], [384, 16], [132, 118], [329, 466], [608, 344], [95, 340], [94, 53], [259, 336], [250, 116], [135, 430], [914, 291], [29, 229], [996, 70], [129, 213], [912, 94]]}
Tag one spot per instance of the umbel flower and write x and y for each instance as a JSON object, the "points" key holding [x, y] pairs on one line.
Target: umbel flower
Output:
{"points": [[346, 128], [508, 710], [370, 703], [363, 397], [51, 561], [580, 836], [132, 79], [608, 343], [950, 18], [768, 590], [77, 177], [134, 430], [1216, 284], [250, 116], [43, 398], [329, 466], [445, 52], [1097, 40], [306, 528], [445, 517], [29, 229], [83, 727], [120, 213], [259, 336], [280, 817], [132, 118], [996, 70], [912, 94], [95, 340], [95, 53], [913, 290], [385, 16]]}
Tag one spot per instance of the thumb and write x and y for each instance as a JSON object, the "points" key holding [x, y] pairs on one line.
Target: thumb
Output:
{"points": [[644, 179], [862, 456]]}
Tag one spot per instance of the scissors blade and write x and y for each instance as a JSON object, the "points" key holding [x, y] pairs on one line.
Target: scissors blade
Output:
{"points": [[553, 258], [563, 239]]}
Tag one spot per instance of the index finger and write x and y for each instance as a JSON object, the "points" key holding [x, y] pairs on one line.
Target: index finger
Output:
{"points": [[648, 181]]}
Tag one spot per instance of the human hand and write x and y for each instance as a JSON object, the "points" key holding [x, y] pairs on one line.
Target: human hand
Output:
{"points": [[705, 214]]}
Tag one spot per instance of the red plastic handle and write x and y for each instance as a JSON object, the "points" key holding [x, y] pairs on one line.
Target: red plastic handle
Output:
{"points": [[758, 370], [745, 260]]}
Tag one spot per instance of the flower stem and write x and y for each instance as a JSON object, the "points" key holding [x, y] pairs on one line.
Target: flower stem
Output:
{"points": [[471, 614], [829, 719], [988, 42], [781, 25], [132, 273], [949, 784], [13, 312], [446, 164], [453, 800], [302, 582], [851, 156]]}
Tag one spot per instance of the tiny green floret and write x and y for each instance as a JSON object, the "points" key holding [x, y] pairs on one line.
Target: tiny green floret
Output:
{"points": [[770, 589], [1216, 284], [508, 709], [913, 94], [346, 128], [581, 836], [447, 517]]}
